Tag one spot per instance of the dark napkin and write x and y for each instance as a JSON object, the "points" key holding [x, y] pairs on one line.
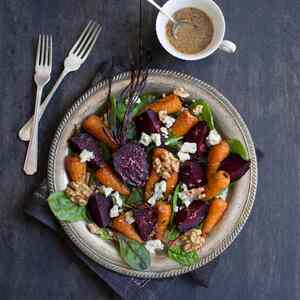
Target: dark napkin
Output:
{"points": [[127, 287]]}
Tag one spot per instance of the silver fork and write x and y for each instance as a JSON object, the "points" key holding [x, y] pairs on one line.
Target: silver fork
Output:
{"points": [[76, 57], [43, 66]]}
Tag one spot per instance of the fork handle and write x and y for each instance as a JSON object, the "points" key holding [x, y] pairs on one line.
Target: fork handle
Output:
{"points": [[24, 133], [31, 160]]}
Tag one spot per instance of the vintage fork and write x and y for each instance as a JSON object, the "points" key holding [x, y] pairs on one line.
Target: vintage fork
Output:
{"points": [[76, 57], [43, 66]]}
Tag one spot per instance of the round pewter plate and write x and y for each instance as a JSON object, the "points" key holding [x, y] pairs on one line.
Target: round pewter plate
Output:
{"points": [[228, 122]]}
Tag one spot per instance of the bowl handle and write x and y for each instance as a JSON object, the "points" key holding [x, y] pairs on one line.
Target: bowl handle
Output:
{"points": [[228, 46]]}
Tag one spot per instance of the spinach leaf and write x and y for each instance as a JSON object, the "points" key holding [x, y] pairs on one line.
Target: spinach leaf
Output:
{"points": [[135, 197], [132, 132], [174, 201], [104, 234], [184, 258], [206, 113], [172, 234], [112, 115], [173, 141], [64, 209], [237, 147], [121, 109], [145, 100], [133, 253], [106, 153]]}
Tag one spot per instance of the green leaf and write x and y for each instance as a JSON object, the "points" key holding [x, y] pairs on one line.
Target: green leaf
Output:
{"points": [[145, 100], [136, 197], [184, 258], [64, 209], [121, 109], [173, 141], [104, 234], [106, 153], [112, 115], [132, 132], [172, 234], [206, 113], [133, 253], [237, 147], [174, 201]]}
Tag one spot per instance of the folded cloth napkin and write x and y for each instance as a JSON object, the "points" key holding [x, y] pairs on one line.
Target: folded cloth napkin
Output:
{"points": [[127, 287]]}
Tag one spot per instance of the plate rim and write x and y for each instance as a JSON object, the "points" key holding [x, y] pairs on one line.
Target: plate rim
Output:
{"points": [[227, 240]]}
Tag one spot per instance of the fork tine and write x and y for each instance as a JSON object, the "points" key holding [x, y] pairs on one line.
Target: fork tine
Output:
{"points": [[86, 37], [38, 52], [91, 42], [50, 52], [47, 51], [43, 50], [81, 36]]}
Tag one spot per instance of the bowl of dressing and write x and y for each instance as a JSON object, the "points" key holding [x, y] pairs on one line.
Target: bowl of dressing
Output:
{"points": [[200, 34]]}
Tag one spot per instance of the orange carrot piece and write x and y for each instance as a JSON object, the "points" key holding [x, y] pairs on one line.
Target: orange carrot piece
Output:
{"points": [[152, 180], [171, 183], [216, 183], [96, 127], [75, 168], [171, 104], [120, 225], [164, 216], [215, 212], [108, 177], [215, 156], [184, 122]]}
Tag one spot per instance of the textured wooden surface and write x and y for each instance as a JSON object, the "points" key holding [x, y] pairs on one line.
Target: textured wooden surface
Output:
{"points": [[262, 80]]}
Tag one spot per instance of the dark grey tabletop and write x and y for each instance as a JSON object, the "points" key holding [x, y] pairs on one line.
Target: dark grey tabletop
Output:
{"points": [[262, 80]]}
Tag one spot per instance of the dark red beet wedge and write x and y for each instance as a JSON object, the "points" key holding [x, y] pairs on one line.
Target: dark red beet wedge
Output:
{"points": [[145, 219], [235, 166], [193, 173], [99, 207], [130, 162], [198, 135], [148, 122], [83, 141], [191, 216]]}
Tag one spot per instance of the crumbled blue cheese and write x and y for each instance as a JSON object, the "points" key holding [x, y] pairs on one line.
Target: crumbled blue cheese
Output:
{"points": [[197, 109], [176, 209], [167, 120], [105, 190], [189, 148], [185, 198], [164, 131], [159, 190], [213, 138], [183, 156], [117, 199], [114, 211], [184, 187], [129, 217], [86, 155], [145, 139], [153, 245], [156, 138]]}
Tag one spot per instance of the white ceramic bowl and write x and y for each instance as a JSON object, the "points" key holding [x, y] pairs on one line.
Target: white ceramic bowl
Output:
{"points": [[216, 16]]}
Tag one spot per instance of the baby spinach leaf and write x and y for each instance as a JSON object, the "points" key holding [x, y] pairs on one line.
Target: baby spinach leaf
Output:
{"points": [[172, 234], [206, 113], [184, 258], [133, 253], [173, 141], [135, 197], [132, 132], [104, 234], [144, 100], [237, 147], [64, 209], [174, 201]]}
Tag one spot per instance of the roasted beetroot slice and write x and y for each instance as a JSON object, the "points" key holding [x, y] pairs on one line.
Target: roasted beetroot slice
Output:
{"points": [[198, 135], [193, 173], [235, 166], [99, 207], [82, 141], [130, 162], [191, 216], [148, 122], [145, 219]]}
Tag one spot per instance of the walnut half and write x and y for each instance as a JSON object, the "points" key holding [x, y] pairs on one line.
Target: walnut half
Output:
{"points": [[78, 192]]}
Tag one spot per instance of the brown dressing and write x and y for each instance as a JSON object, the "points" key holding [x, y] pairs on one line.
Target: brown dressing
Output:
{"points": [[195, 34]]}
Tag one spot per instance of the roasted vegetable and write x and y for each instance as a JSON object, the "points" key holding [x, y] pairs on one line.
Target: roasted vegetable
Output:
{"points": [[151, 181], [171, 104], [99, 207], [130, 162], [95, 126], [235, 166], [148, 122], [108, 177], [145, 219], [217, 182], [193, 174], [83, 141], [164, 212], [184, 122], [191, 216], [75, 168]]}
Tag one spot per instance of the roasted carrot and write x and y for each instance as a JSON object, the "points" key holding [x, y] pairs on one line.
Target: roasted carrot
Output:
{"points": [[184, 122], [120, 225], [215, 212], [216, 183], [151, 181], [171, 104], [96, 127], [107, 177], [215, 156], [171, 183], [163, 218], [75, 168]]}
